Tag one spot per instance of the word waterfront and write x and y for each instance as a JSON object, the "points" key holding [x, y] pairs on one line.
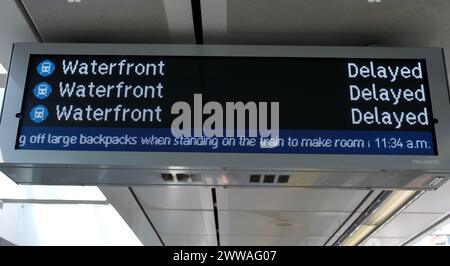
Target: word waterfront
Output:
{"points": [[78, 67], [119, 113], [118, 90]]}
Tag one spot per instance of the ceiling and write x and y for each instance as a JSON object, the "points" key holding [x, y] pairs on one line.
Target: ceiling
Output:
{"points": [[139, 21], [245, 216], [177, 215], [330, 22]]}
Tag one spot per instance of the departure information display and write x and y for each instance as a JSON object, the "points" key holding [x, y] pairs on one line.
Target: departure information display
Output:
{"points": [[202, 104]]}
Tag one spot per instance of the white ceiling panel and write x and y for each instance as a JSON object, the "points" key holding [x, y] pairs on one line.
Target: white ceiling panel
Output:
{"points": [[183, 222], [175, 197], [289, 199], [274, 223], [189, 240], [120, 197], [384, 241], [237, 240], [271, 241], [311, 241], [436, 201], [407, 225], [131, 21]]}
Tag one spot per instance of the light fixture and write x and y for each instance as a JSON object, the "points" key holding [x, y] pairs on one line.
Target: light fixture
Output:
{"points": [[3, 69], [379, 215], [389, 206], [358, 235]]}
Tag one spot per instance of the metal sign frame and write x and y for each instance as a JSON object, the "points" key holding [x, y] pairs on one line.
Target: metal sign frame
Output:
{"points": [[11, 157]]}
